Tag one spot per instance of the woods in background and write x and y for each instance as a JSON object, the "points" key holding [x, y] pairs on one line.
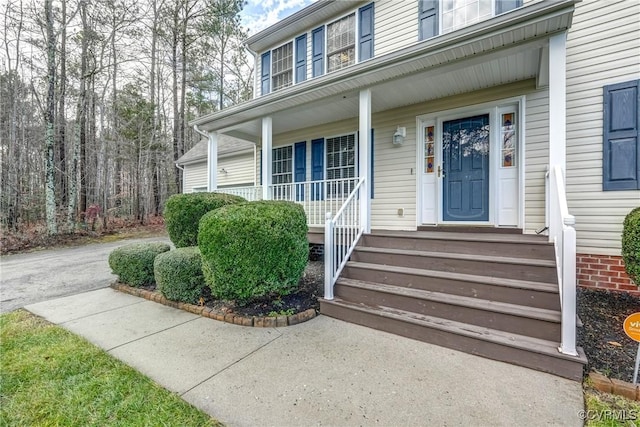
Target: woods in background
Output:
{"points": [[95, 100]]}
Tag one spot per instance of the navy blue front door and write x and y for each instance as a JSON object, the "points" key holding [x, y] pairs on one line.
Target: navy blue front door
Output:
{"points": [[465, 144]]}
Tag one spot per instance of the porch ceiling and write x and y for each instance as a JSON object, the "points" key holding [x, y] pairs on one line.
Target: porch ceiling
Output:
{"points": [[505, 49]]}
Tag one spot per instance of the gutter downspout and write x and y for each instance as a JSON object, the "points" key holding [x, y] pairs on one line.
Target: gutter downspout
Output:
{"points": [[255, 68], [255, 95], [182, 169], [212, 158]]}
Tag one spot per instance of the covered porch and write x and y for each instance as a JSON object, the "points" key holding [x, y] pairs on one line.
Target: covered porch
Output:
{"points": [[527, 45]]}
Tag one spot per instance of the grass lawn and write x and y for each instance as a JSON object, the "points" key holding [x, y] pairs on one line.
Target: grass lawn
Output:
{"points": [[50, 377], [608, 410]]}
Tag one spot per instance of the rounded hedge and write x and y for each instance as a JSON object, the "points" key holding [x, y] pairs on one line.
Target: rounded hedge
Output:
{"points": [[178, 274], [133, 263], [254, 249], [631, 245], [182, 214]]}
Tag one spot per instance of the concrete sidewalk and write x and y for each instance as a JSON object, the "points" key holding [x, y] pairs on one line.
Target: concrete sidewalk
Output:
{"points": [[322, 372]]}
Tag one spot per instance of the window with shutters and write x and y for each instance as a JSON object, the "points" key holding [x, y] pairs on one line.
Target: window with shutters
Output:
{"points": [[341, 43], [282, 165], [282, 66], [331, 47], [341, 163], [621, 148], [444, 16]]}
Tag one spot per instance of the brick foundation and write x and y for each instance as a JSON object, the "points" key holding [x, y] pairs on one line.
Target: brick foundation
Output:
{"points": [[604, 272], [316, 251]]}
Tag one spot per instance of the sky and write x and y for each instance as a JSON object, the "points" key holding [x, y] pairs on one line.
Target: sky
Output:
{"points": [[259, 14]]}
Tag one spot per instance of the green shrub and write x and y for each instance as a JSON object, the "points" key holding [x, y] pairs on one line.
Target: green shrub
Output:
{"points": [[134, 263], [178, 274], [254, 249], [182, 214], [631, 245]]}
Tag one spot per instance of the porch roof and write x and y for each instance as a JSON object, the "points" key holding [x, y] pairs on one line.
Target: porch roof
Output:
{"points": [[504, 49]]}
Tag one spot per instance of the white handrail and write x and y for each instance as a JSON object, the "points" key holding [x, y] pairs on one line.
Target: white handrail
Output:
{"points": [[563, 234], [341, 234]]}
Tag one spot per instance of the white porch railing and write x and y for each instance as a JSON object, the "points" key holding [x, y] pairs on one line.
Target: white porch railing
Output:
{"points": [[249, 193], [316, 197], [341, 234], [563, 234]]}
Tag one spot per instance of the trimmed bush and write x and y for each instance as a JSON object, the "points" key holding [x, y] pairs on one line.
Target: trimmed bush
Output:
{"points": [[182, 214], [631, 244], [134, 263], [178, 274], [254, 249]]}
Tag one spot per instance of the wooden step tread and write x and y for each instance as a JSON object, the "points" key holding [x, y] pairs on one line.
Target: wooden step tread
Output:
{"points": [[545, 347], [458, 300], [470, 237], [473, 278], [459, 256]]}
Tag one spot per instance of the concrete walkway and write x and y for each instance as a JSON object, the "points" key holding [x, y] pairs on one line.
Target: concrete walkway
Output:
{"points": [[322, 372]]}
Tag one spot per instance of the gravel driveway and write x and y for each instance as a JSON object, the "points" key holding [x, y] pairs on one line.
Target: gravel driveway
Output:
{"points": [[38, 276]]}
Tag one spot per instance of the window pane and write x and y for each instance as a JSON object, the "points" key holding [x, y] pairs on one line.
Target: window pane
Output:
{"points": [[460, 13], [341, 41], [282, 66], [282, 165], [341, 164]]}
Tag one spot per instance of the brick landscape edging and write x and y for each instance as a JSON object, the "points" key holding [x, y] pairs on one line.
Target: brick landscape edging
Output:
{"points": [[613, 386], [236, 319]]}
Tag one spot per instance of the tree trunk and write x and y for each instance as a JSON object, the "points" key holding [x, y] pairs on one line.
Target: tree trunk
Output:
{"points": [[62, 123], [79, 126], [176, 114], [50, 183]]}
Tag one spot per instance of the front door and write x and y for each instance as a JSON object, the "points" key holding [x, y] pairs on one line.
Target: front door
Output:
{"points": [[465, 168]]}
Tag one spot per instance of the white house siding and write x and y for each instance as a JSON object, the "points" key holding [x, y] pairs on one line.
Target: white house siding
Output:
{"points": [[536, 158], [239, 170], [195, 175], [603, 48], [395, 25]]}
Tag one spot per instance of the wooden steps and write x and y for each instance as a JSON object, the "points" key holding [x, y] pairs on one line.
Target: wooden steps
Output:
{"points": [[490, 294]]}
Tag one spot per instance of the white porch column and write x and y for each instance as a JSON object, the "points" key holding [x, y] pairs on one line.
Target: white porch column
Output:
{"points": [[212, 161], [558, 101], [267, 135], [364, 157]]}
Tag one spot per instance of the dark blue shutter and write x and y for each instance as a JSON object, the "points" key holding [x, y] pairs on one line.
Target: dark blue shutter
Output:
{"points": [[300, 167], [301, 58], [317, 51], [317, 168], [428, 19], [365, 32], [265, 72], [503, 6], [621, 151]]}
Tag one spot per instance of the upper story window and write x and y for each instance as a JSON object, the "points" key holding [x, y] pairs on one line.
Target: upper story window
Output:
{"points": [[458, 14], [444, 16], [282, 66], [341, 43], [331, 47]]}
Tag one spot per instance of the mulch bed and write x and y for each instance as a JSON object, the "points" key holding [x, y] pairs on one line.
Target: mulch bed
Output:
{"points": [[609, 350], [310, 288]]}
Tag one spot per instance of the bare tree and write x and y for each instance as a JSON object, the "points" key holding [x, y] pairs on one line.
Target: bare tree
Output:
{"points": [[50, 184]]}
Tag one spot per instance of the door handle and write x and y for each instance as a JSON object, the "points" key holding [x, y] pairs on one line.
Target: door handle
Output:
{"points": [[440, 171]]}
